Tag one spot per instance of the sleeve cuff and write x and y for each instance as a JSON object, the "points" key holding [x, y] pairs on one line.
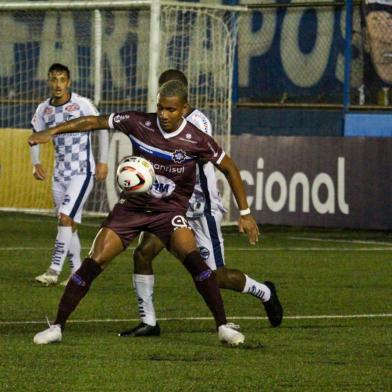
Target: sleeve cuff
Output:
{"points": [[111, 121], [219, 160]]}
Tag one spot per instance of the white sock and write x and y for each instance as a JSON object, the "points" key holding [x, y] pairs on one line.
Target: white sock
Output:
{"points": [[61, 247], [144, 287], [256, 289], [74, 252]]}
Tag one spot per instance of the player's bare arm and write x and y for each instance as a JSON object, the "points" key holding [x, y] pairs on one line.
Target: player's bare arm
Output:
{"points": [[246, 222], [81, 124], [101, 170]]}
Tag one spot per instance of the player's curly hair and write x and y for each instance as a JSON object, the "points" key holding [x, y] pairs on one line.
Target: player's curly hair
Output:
{"points": [[172, 74], [174, 88], [57, 67]]}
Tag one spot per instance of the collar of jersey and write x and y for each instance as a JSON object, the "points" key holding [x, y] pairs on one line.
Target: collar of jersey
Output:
{"points": [[56, 106], [168, 135]]}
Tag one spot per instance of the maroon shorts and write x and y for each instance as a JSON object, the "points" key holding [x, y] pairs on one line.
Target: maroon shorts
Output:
{"points": [[127, 224]]}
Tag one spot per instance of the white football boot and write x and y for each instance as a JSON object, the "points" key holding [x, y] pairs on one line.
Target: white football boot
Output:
{"points": [[228, 334], [49, 278], [52, 334]]}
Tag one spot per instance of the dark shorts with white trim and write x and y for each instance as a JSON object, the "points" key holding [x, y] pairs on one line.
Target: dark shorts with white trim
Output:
{"points": [[127, 223]]}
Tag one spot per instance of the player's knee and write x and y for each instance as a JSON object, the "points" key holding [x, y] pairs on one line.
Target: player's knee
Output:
{"points": [[196, 266], [148, 248]]}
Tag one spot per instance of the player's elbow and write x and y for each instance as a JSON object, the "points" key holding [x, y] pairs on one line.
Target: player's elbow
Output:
{"points": [[227, 166]]}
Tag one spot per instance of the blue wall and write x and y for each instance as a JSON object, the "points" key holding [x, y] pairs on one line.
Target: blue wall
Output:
{"points": [[288, 122]]}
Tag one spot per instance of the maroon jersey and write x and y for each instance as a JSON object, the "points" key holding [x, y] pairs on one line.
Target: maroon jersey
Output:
{"points": [[174, 156]]}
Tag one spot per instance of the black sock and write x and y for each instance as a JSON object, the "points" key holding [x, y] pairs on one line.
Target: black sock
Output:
{"points": [[206, 285], [76, 289]]}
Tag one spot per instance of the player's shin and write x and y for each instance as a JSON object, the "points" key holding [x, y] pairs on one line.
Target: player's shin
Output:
{"points": [[61, 247], [76, 289], [206, 285], [74, 252], [144, 287]]}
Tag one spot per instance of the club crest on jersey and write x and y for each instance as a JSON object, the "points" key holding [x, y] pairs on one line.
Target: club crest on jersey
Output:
{"points": [[147, 123], [204, 253], [72, 107], [188, 136], [48, 111], [179, 156]]}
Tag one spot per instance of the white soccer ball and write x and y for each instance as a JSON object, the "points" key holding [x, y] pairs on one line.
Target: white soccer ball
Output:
{"points": [[135, 174]]}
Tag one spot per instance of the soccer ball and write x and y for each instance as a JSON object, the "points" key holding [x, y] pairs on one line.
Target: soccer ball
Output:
{"points": [[135, 174]]}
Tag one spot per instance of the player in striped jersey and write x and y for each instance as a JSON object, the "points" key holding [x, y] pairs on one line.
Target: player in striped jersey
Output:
{"points": [[74, 169], [204, 214]]}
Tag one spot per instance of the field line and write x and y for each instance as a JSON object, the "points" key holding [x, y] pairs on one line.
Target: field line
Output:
{"points": [[347, 241], [232, 249], [298, 317]]}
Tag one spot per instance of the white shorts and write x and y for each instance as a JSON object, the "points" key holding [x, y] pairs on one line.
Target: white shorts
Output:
{"points": [[69, 197], [209, 239]]}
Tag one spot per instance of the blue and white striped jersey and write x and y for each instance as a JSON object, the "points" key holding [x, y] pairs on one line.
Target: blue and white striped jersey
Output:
{"points": [[73, 151], [205, 197]]}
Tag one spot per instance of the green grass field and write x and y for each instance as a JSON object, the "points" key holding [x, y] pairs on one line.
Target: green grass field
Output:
{"points": [[335, 285]]}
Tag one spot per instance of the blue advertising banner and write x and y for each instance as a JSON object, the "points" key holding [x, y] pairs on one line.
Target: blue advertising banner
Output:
{"points": [[296, 54]]}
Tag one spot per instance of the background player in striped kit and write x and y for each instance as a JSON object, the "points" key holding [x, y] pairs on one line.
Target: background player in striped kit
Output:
{"points": [[204, 214], [74, 170]]}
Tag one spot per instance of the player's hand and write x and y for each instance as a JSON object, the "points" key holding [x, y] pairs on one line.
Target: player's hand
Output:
{"points": [[101, 171], [247, 224], [39, 172], [39, 138]]}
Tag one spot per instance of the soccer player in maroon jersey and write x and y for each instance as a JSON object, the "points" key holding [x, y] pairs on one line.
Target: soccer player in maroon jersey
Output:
{"points": [[204, 215], [174, 147]]}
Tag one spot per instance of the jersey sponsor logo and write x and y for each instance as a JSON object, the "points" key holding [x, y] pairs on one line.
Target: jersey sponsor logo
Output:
{"points": [[48, 111], [199, 120], [162, 187], [179, 222], [179, 156], [204, 253], [169, 168], [68, 117], [72, 107], [205, 123], [120, 117]]}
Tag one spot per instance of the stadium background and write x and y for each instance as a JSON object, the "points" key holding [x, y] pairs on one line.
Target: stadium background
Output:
{"points": [[335, 284], [298, 72]]}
